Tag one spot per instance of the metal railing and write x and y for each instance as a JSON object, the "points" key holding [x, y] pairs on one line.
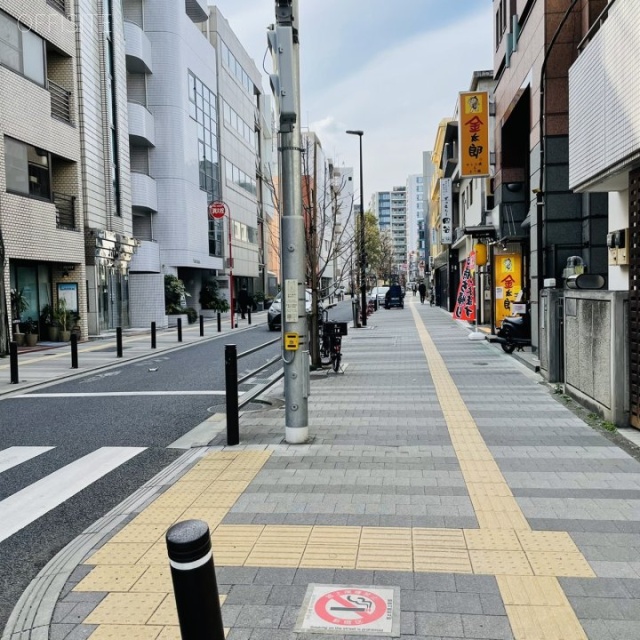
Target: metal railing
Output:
{"points": [[60, 5], [60, 102], [65, 210]]}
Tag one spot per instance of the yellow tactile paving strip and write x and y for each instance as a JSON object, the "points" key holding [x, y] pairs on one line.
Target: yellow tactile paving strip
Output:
{"points": [[132, 566]]}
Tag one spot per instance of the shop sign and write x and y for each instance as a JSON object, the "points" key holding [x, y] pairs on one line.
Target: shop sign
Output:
{"points": [[508, 283], [446, 211], [474, 134]]}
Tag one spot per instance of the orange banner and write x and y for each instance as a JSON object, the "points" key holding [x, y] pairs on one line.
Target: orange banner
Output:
{"points": [[474, 134], [508, 282]]}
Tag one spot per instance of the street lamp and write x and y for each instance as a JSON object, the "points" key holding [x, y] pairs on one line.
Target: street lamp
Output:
{"points": [[362, 254]]}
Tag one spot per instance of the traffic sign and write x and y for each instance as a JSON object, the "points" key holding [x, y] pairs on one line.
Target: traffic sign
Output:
{"points": [[217, 210]]}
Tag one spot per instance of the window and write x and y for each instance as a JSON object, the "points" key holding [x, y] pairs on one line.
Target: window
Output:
{"points": [[21, 50], [28, 169]]}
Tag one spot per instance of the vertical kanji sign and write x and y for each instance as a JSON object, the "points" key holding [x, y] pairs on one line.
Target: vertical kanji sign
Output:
{"points": [[465, 308], [446, 211], [474, 134], [507, 277]]}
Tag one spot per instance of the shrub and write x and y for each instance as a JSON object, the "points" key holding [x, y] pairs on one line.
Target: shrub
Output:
{"points": [[175, 295], [209, 298], [192, 314]]}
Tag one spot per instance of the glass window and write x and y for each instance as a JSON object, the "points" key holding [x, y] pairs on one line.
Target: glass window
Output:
{"points": [[39, 177], [9, 43], [15, 154]]}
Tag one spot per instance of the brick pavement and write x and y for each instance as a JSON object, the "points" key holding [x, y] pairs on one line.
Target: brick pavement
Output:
{"points": [[438, 466]]}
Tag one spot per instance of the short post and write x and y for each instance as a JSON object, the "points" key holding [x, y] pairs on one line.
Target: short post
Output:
{"points": [[249, 314], [231, 389], [119, 342], [201, 326], [13, 362], [179, 329], [74, 350], [153, 335], [219, 322], [194, 581]]}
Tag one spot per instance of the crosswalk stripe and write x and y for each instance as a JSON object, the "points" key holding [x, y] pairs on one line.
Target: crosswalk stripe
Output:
{"points": [[32, 502], [116, 394], [13, 456]]}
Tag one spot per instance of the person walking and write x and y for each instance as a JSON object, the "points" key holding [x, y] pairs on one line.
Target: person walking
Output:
{"points": [[244, 300], [423, 292]]}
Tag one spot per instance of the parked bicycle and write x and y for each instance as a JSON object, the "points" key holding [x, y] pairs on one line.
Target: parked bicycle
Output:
{"points": [[331, 341]]}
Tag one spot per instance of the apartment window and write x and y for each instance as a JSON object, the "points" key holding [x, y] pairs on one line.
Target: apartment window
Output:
{"points": [[28, 169], [21, 50]]}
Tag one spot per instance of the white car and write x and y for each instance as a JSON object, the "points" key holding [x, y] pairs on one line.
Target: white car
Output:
{"points": [[377, 294], [274, 315]]}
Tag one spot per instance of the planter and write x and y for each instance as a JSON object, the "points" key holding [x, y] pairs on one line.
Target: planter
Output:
{"points": [[173, 320], [208, 313], [32, 339], [65, 336], [53, 333], [18, 338]]}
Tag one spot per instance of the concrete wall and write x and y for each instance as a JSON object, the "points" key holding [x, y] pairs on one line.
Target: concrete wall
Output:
{"points": [[595, 353]]}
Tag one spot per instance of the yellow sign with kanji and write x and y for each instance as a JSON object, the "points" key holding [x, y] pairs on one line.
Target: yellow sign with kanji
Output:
{"points": [[508, 282], [474, 134]]}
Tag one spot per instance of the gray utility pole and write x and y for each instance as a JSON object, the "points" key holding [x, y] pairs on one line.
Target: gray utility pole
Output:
{"points": [[285, 83]]}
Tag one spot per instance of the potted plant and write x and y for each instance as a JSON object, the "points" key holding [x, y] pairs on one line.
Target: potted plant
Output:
{"points": [[75, 325], [258, 301], [49, 319], [31, 331], [210, 302], [19, 304], [64, 318], [175, 299]]}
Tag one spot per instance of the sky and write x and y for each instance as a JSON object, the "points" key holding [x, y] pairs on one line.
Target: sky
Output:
{"points": [[391, 68]]}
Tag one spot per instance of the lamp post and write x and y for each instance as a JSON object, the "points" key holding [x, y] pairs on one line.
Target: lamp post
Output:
{"points": [[362, 254]]}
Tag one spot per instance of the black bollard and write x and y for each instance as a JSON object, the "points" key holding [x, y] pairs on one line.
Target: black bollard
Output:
{"points": [[119, 342], [201, 326], [194, 581], [153, 335], [74, 350], [231, 393], [13, 362], [219, 322], [249, 314], [179, 329]]}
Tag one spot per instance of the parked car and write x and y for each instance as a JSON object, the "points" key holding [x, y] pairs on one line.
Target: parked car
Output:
{"points": [[394, 297], [274, 315], [377, 295]]}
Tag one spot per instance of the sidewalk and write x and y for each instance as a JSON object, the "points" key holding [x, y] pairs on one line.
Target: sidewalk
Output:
{"points": [[444, 491]]}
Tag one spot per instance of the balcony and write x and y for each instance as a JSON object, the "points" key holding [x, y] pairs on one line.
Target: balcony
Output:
{"points": [[60, 102], [65, 211], [144, 193], [197, 10], [59, 5], [137, 49], [141, 126]]}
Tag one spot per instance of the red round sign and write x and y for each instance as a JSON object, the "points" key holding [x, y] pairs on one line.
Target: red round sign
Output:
{"points": [[217, 210], [350, 607]]}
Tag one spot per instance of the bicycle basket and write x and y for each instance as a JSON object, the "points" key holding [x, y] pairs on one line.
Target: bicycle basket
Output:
{"points": [[336, 328]]}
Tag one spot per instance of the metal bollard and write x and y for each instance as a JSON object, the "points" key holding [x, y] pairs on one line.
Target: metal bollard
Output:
{"points": [[231, 393], [201, 326], [179, 329], [194, 581], [13, 362], [119, 342], [219, 322], [153, 335], [249, 314], [74, 350]]}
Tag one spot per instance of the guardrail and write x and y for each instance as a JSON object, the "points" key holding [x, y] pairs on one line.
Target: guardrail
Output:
{"points": [[60, 102], [231, 383]]}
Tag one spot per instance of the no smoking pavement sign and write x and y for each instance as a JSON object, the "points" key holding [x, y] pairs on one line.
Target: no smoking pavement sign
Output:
{"points": [[348, 609]]}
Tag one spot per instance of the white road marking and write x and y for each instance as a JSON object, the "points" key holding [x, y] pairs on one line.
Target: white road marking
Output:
{"points": [[13, 456], [117, 394], [22, 508]]}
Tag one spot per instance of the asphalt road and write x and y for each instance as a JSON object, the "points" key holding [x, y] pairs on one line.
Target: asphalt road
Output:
{"points": [[74, 419]]}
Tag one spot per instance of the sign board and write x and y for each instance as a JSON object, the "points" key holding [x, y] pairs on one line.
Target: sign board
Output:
{"points": [[290, 301], [465, 308], [474, 134], [446, 211], [507, 276], [346, 610], [68, 291], [217, 210]]}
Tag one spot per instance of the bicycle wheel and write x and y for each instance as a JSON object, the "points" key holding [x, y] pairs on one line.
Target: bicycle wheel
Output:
{"points": [[325, 350], [336, 362]]}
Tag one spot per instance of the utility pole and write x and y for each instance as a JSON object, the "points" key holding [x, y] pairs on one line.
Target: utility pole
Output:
{"points": [[285, 83]]}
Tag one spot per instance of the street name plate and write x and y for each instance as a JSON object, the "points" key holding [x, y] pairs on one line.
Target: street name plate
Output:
{"points": [[350, 610], [291, 301]]}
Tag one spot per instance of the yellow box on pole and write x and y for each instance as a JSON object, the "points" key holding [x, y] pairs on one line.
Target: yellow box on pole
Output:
{"points": [[291, 341]]}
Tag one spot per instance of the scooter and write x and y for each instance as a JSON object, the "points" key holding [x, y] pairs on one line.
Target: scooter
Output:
{"points": [[515, 333]]}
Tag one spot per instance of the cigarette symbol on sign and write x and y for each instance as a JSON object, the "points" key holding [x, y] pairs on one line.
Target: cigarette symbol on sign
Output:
{"points": [[359, 604]]}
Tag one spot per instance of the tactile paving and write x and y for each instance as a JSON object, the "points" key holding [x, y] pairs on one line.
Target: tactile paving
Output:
{"points": [[110, 578], [558, 563], [119, 553], [540, 591], [497, 563], [438, 538], [331, 557], [125, 608], [130, 632], [559, 541], [492, 539], [432, 560], [166, 614], [385, 536], [155, 579], [385, 558], [544, 623]]}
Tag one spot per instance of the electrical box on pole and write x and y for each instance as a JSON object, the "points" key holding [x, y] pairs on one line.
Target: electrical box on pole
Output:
{"points": [[282, 82]]}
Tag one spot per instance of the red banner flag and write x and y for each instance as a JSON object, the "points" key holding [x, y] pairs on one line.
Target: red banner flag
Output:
{"points": [[465, 308]]}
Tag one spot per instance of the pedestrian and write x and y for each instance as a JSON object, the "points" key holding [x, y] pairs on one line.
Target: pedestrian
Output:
{"points": [[413, 288], [423, 292], [244, 300]]}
